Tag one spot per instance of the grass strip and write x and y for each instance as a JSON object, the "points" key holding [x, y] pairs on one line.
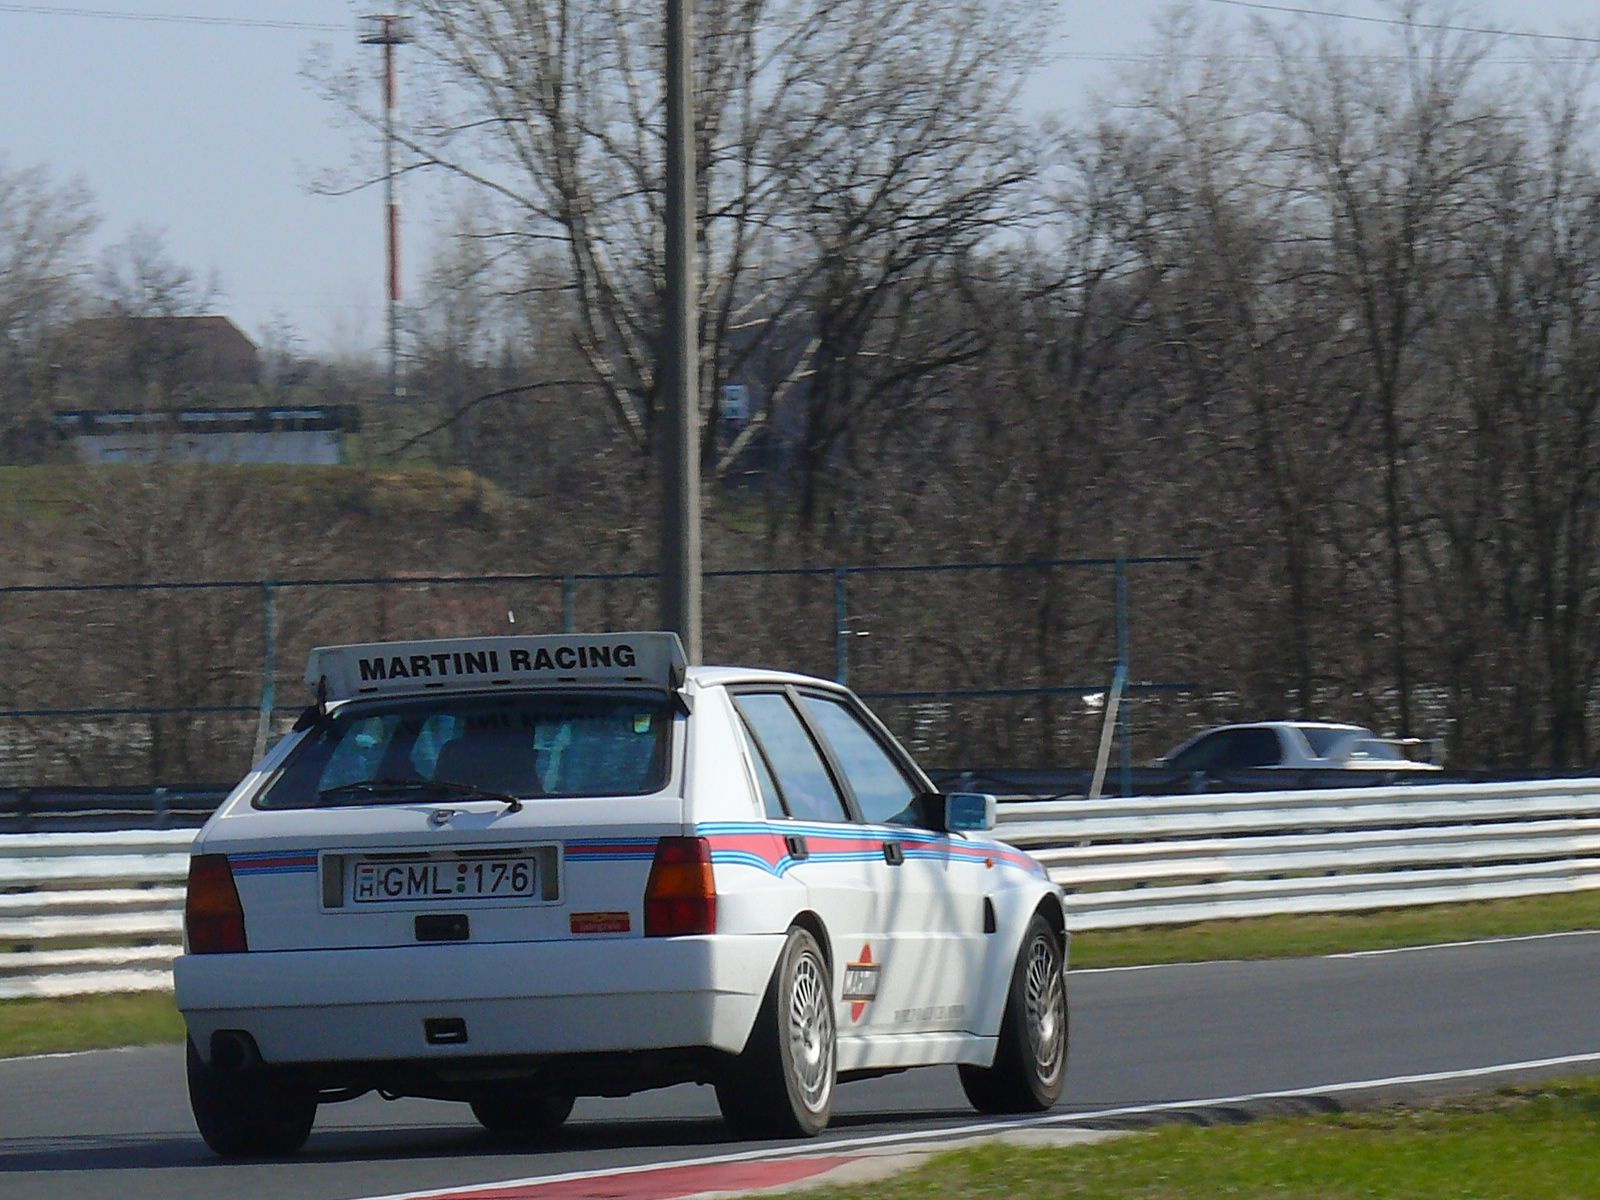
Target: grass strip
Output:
{"points": [[53, 1026], [1525, 1143]]}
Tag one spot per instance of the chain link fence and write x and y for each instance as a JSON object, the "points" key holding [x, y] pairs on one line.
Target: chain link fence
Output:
{"points": [[971, 663]]}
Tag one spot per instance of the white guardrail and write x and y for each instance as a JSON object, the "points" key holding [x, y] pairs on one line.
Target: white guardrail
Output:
{"points": [[102, 912], [91, 912]]}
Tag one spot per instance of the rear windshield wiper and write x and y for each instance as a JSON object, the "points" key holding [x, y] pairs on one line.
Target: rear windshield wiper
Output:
{"points": [[449, 787], [512, 803]]}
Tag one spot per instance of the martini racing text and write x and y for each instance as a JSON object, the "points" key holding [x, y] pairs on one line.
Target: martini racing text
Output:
{"points": [[457, 663]]}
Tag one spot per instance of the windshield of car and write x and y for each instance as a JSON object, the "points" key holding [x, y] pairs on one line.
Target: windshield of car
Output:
{"points": [[527, 745]]}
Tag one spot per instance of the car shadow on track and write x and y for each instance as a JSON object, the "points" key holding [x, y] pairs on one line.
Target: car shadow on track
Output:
{"points": [[600, 1136], [98, 1153], [386, 1143]]}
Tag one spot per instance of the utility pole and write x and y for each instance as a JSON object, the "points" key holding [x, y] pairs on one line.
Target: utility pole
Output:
{"points": [[389, 30], [680, 388]]}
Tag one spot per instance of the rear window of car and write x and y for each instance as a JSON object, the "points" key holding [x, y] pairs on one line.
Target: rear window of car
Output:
{"points": [[1323, 740], [528, 745], [1375, 748]]}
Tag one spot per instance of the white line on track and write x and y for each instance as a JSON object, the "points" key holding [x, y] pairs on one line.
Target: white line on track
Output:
{"points": [[827, 1149], [1494, 941], [1215, 962], [27, 1058]]}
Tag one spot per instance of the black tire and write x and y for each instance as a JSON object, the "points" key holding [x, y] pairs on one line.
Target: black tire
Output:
{"points": [[249, 1113], [519, 1115], [1030, 1063], [782, 1085]]}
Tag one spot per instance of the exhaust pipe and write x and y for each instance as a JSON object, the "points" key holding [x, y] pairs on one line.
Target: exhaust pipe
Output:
{"points": [[234, 1050]]}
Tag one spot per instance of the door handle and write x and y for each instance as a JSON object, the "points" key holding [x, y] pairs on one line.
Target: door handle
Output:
{"points": [[796, 845], [894, 853]]}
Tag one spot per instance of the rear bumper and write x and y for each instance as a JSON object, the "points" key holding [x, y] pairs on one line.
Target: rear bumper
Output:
{"points": [[515, 999]]}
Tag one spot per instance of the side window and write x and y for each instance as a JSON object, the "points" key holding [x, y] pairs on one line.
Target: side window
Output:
{"points": [[1231, 750], [1250, 748], [1201, 754], [792, 756], [771, 798], [884, 794], [1322, 741]]}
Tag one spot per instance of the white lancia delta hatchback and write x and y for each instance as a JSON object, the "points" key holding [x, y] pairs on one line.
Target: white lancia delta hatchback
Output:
{"points": [[511, 871]]}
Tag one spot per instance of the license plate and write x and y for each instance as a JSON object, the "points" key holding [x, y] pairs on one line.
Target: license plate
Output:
{"points": [[453, 879]]}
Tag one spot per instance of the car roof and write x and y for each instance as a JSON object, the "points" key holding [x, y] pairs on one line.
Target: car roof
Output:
{"points": [[1342, 726], [699, 677], [720, 676]]}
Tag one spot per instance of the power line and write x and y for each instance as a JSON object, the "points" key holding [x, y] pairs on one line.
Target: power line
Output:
{"points": [[1340, 16], [1156, 56], [105, 14]]}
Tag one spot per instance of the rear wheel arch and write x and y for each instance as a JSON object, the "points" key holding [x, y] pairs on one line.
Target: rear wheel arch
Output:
{"points": [[782, 1083], [812, 924]]}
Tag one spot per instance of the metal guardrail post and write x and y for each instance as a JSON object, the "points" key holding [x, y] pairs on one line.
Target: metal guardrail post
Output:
{"points": [[269, 668], [841, 628], [1124, 724], [1119, 684]]}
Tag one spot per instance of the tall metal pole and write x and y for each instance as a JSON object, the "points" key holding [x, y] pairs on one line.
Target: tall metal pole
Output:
{"points": [[391, 220], [680, 390], [388, 30], [841, 628], [269, 668], [1124, 723]]}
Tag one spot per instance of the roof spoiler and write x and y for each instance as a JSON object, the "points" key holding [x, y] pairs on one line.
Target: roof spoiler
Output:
{"points": [[651, 658]]}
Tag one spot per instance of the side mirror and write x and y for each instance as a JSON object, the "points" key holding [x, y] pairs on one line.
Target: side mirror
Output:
{"points": [[968, 812]]}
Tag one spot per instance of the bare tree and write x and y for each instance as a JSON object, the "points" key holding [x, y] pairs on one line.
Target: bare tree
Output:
{"points": [[1259, 403], [841, 145], [1517, 565], [1388, 155], [44, 232]]}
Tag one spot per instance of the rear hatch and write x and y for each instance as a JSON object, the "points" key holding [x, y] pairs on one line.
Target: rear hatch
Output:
{"points": [[523, 814], [458, 871]]}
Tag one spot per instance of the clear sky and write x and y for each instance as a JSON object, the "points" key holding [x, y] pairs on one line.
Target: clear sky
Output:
{"points": [[192, 118]]}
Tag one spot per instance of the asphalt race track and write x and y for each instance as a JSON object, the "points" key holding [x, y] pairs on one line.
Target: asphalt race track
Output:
{"points": [[1207, 1038]]}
